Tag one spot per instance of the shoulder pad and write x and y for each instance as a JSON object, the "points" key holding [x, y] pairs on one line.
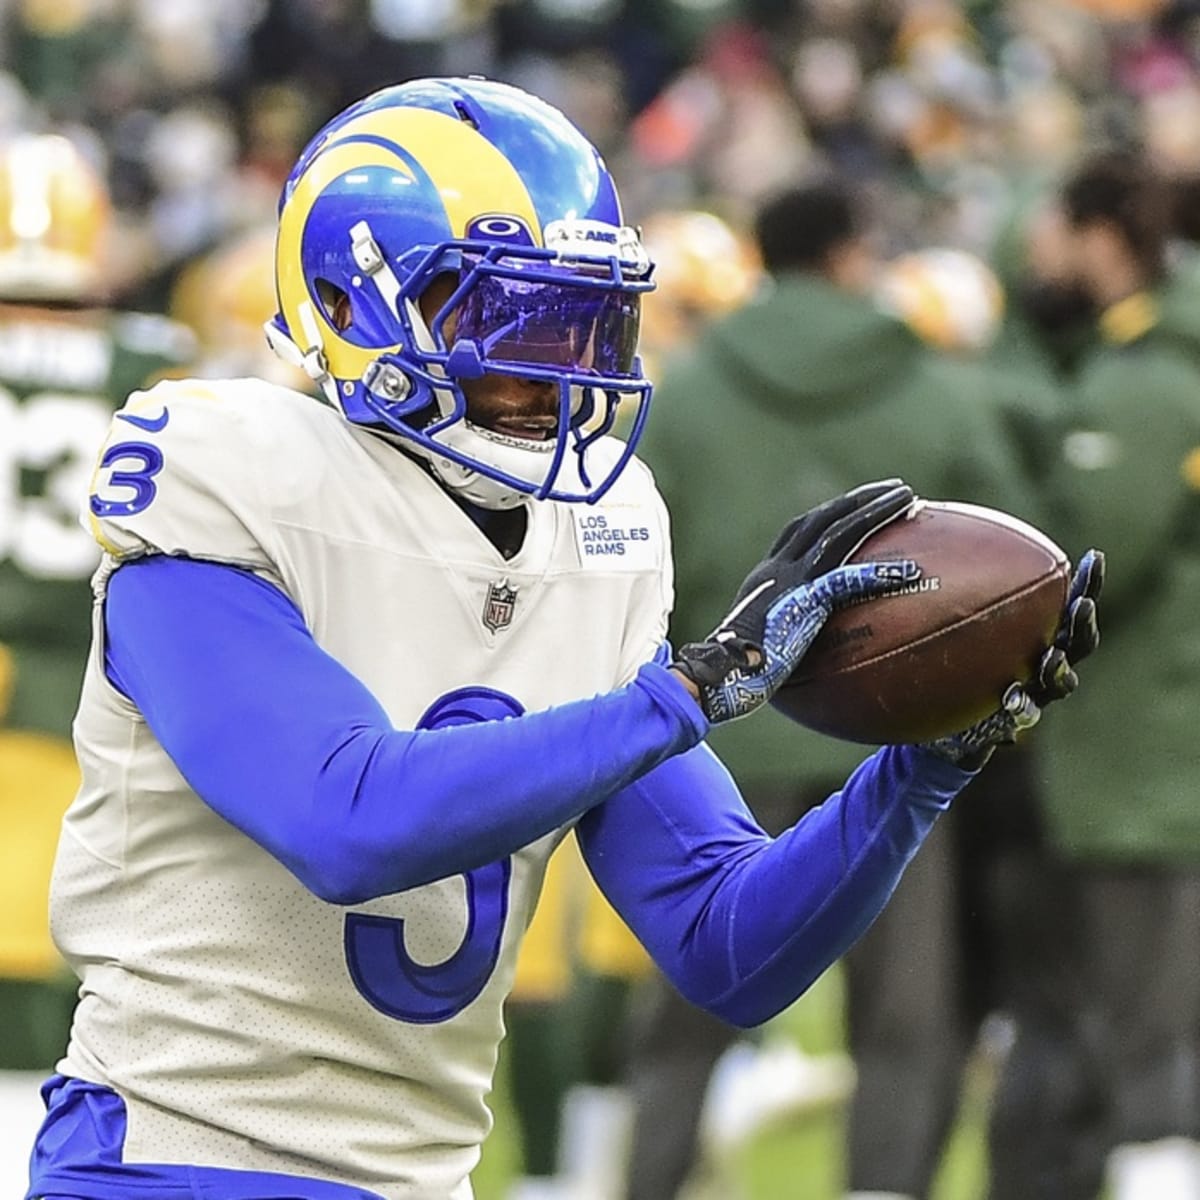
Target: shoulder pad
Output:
{"points": [[180, 473]]}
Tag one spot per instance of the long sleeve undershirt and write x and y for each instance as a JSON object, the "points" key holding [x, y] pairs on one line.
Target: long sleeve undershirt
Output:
{"points": [[289, 747]]}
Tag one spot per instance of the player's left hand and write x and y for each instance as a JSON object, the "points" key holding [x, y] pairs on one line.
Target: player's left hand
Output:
{"points": [[1022, 703], [784, 601]]}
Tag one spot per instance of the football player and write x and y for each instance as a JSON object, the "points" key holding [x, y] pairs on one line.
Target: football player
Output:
{"points": [[66, 362], [358, 667]]}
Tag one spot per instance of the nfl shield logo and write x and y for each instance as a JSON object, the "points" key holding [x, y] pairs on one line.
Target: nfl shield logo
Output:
{"points": [[499, 605]]}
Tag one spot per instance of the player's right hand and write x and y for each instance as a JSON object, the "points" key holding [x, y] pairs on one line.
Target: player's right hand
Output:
{"points": [[784, 601]]}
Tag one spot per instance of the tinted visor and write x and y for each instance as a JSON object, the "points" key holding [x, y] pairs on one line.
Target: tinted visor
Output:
{"points": [[577, 326]]}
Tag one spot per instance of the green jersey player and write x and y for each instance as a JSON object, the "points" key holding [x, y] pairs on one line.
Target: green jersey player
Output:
{"points": [[66, 362]]}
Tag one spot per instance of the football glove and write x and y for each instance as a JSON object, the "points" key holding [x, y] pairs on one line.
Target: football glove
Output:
{"points": [[784, 601], [1022, 703]]}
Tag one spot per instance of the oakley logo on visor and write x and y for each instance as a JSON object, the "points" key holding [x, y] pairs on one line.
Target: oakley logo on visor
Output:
{"points": [[501, 227]]}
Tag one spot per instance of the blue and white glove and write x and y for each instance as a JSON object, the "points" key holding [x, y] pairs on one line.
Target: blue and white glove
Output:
{"points": [[1022, 703], [784, 601]]}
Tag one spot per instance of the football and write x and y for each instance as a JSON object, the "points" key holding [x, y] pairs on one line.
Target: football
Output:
{"points": [[934, 656]]}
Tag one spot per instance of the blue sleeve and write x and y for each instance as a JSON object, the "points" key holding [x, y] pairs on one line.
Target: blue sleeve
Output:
{"points": [[287, 745], [742, 923]]}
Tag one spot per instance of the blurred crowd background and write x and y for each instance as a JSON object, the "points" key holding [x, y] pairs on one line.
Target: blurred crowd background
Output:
{"points": [[948, 115], [948, 123]]}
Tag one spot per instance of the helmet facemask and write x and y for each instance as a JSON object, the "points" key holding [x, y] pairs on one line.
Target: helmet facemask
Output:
{"points": [[518, 312]]}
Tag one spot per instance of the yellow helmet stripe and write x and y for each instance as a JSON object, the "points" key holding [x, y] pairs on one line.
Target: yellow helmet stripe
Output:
{"points": [[347, 359], [322, 171], [471, 175]]}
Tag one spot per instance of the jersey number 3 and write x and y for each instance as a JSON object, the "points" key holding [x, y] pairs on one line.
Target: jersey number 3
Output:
{"points": [[129, 467], [380, 965]]}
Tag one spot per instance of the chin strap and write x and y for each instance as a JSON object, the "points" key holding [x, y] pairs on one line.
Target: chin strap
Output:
{"points": [[370, 261], [470, 486]]}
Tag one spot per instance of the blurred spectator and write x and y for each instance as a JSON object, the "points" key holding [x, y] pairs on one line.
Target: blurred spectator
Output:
{"points": [[1170, 127], [79, 60], [811, 386], [65, 363], [341, 50], [950, 298], [190, 152], [225, 296], [1187, 210], [704, 266], [1122, 920], [725, 125]]}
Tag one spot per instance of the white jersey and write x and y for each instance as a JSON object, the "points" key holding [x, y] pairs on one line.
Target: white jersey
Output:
{"points": [[217, 997]]}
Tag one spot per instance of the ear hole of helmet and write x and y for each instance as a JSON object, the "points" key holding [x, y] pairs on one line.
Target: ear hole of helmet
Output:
{"points": [[336, 303]]}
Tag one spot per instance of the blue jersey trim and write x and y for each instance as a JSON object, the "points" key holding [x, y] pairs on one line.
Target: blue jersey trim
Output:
{"points": [[79, 1155]]}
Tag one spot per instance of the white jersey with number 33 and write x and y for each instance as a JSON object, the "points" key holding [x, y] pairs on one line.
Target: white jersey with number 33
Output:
{"points": [[245, 1022]]}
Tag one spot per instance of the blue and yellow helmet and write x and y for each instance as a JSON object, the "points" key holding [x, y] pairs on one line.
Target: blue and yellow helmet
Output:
{"points": [[488, 184]]}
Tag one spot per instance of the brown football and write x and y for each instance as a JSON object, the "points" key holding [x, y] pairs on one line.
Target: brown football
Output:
{"points": [[935, 656]]}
